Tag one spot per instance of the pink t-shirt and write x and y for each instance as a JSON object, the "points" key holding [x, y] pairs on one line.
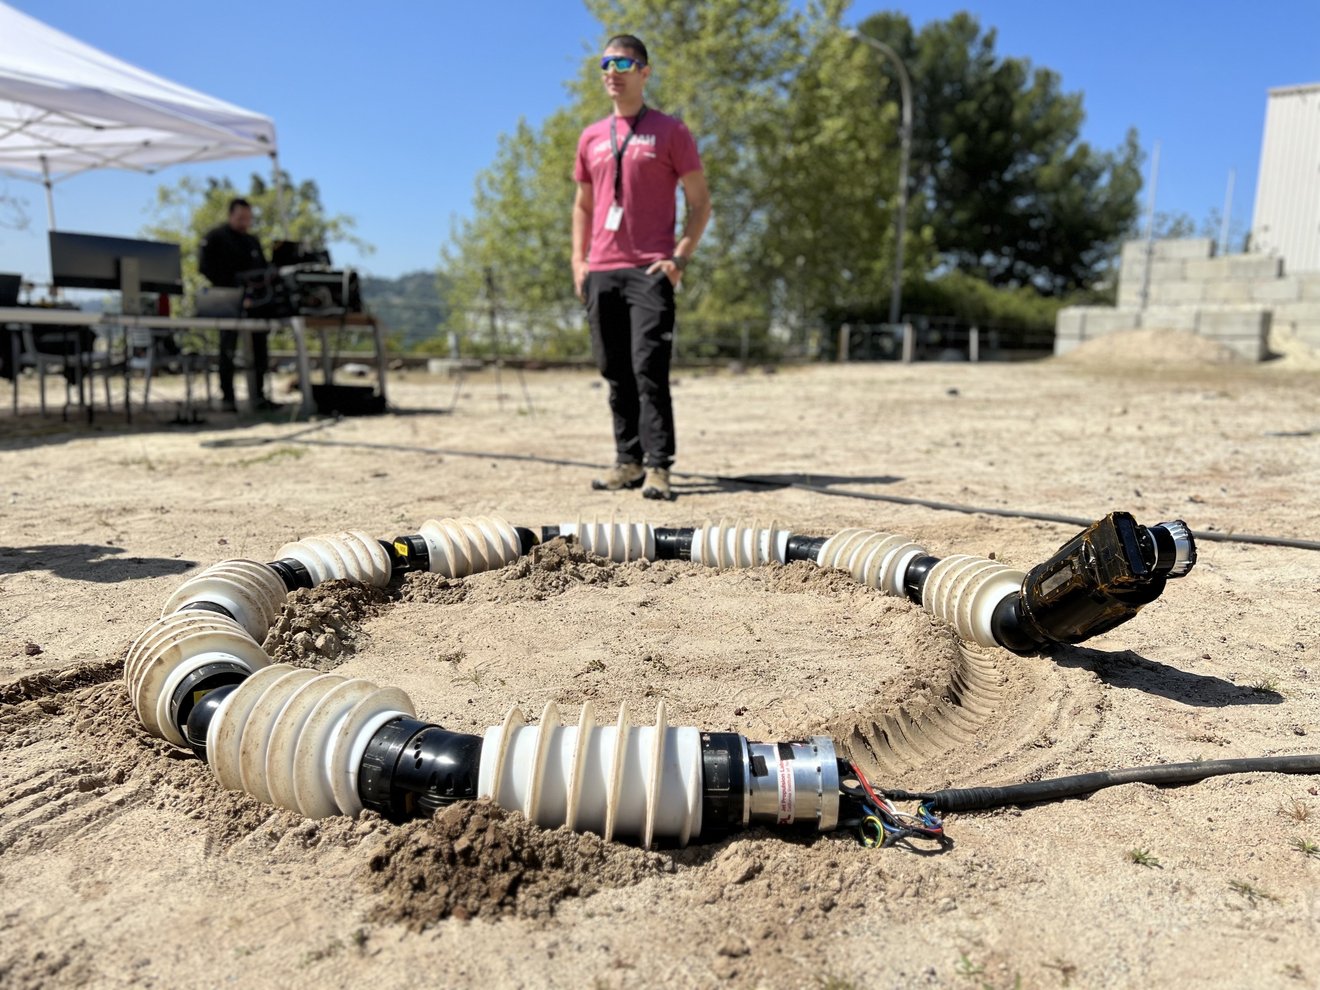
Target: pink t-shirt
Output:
{"points": [[659, 154]]}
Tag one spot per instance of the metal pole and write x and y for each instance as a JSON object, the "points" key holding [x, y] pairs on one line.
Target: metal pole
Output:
{"points": [[279, 196], [50, 195], [1150, 225], [1228, 212], [495, 336], [905, 147]]}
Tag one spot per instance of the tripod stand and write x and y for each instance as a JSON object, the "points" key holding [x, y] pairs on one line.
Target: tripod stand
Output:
{"points": [[493, 314]]}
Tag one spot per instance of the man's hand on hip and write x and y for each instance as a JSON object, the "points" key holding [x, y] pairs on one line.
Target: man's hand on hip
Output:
{"points": [[671, 270]]}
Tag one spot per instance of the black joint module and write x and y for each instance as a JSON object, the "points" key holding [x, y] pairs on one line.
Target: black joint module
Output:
{"points": [[412, 768], [549, 533], [526, 539], [399, 563], [292, 573], [723, 783], [673, 544], [413, 551], [804, 548], [1011, 629], [207, 607], [195, 700], [914, 581]]}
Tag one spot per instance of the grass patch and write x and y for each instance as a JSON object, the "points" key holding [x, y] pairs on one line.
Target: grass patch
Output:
{"points": [[1307, 848], [1296, 809], [1144, 857], [1251, 892]]}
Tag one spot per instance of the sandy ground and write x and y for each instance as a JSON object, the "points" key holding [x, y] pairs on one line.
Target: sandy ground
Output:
{"points": [[123, 862]]}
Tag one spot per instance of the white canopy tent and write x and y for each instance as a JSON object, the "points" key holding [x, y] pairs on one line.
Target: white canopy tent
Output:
{"points": [[67, 108]]}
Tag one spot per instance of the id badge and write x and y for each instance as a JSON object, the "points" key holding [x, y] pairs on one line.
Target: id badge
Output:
{"points": [[614, 217]]}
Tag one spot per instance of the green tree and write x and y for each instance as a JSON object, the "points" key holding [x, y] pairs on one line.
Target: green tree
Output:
{"points": [[830, 178], [1009, 191], [798, 128], [13, 212], [185, 211]]}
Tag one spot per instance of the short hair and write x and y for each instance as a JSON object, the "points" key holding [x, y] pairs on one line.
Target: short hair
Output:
{"points": [[630, 41], [236, 202]]}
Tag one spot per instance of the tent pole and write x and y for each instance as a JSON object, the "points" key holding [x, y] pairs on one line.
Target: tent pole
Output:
{"points": [[50, 195], [279, 195]]}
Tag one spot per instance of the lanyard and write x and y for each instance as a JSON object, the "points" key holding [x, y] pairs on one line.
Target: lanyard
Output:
{"points": [[618, 152]]}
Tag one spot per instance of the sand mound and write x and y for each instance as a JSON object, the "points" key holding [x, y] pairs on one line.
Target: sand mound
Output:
{"points": [[1151, 347], [476, 859], [1293, 354]]}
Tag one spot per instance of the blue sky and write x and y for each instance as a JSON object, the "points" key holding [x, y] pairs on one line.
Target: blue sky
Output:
{"points": [[394, 107]]}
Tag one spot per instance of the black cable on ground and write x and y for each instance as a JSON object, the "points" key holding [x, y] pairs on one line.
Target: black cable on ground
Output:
{"points": [[1208, 536], [1058, 788], [262, 441], [752, 479]]}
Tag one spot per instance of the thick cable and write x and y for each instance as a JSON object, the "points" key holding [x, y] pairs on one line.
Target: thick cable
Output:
{"points": [[1211, 536], [1078, 785]]}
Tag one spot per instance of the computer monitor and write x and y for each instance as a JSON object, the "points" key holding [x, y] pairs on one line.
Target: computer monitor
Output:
{"points": [[91, 261], [9, 288]]}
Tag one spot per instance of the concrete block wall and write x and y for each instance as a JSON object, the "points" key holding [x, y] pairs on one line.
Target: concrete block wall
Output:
{"points": [[1235, 299], [1243, 329]]}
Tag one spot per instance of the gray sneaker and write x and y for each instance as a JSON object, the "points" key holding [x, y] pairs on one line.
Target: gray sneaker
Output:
{"points": [[657, 484], [623, 476]]}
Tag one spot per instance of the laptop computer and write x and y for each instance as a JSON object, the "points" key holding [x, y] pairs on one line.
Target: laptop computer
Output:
{"points": [[212, 301]]}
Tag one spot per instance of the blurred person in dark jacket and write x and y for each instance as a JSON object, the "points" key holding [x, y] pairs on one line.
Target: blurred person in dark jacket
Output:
{"points": [[226, 252]]}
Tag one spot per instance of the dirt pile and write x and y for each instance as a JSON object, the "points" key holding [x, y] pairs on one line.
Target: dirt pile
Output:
{"points": [[476, 859], [319, 627], [557, 565], [1153, 346]]}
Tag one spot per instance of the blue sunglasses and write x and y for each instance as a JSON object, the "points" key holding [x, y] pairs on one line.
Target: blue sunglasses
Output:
{"points": [[621, 63]]}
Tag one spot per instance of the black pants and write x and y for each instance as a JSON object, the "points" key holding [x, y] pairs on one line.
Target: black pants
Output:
{"points": [[256, 374], [632, 337]]}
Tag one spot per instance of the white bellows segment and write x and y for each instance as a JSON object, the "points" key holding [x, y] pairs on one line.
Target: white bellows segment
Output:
{"points": [[251, 592], [739, 543], [613, 539], [879, 560], [619, 781], [964, 591], [295, 738], [459, 547], [173, 647], [351, 555]]}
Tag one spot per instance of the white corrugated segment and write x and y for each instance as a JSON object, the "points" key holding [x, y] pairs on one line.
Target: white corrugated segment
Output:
{"points": [[251, 592], [351, 555], [459, 547], [619, 781], [739, 543], [618, 540], [1286, 222], [964, 591], [173, 647], [879, 560]]}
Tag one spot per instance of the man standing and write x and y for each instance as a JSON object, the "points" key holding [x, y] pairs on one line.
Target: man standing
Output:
{"points": [[227, 251], [626, 264]]}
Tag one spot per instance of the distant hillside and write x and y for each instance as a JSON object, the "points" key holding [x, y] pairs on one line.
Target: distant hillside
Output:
{"points": [[411, 304]]}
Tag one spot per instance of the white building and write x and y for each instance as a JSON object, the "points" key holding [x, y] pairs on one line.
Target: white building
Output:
{"points": [[1286, 223]]}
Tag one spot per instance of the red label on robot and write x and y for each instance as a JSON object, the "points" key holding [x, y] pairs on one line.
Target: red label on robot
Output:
{"points": [[787, 793]]}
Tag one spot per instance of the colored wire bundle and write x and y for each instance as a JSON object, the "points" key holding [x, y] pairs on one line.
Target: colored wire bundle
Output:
{"points": [[881, 823]]}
